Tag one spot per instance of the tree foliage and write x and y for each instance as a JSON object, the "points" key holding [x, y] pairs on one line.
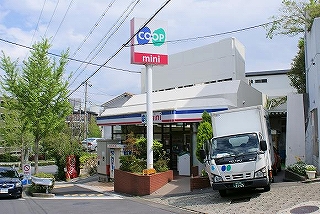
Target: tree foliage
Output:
{"points": [[39, 92], [295, 17], [297, 73], [204, 133], [93, 128], [59, 147]]}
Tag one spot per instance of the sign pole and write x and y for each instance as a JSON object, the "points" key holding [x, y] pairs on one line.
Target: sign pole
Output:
{"points": [[149, 117]]}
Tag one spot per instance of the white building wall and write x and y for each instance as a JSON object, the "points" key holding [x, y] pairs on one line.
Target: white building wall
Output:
{"points": [[313, 87], [214, 62], [107, 132], [276, 85], [295, 141]]}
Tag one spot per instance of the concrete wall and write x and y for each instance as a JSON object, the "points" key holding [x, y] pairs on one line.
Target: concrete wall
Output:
{"points": [[295, 142], [313, 84], [214, 62]]}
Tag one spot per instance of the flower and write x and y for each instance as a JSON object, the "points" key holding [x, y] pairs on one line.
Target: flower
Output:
{"points": [[311, 168]]}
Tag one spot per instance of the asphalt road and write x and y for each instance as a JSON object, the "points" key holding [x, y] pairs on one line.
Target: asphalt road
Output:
{"points": [[84, 205]]}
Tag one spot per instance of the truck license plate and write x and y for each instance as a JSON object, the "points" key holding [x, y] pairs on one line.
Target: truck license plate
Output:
{"points": [[238, 184]]}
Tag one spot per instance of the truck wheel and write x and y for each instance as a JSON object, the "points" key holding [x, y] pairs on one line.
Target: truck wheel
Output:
{"points": [[223, 192]]}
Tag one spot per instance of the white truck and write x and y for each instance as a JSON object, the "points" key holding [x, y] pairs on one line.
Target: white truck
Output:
{"points": [[240, 155]]}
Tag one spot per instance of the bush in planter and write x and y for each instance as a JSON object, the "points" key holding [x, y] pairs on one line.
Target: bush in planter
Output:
{"points": [[130, 163], [36, 188], [298, 168], [310, 168], [161, 165], [136, 162]]}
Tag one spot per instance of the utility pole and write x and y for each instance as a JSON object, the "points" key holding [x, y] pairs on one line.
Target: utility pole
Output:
{"points": [[85, 124]]}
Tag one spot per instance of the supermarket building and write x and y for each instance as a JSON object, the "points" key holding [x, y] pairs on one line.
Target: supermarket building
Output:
{"points": [[209, 78]]}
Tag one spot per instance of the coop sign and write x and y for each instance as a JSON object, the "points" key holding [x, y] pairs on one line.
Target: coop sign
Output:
{"points": [[148, 44]]}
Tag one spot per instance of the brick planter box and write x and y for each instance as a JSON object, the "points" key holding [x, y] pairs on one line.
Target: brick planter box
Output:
{"points": [[199, 183], [135, 184]]}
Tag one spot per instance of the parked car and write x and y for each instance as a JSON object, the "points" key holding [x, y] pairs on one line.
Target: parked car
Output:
{"points": [[90, 144], [10, 182]]}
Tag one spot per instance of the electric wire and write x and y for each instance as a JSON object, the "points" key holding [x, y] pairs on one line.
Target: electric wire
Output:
{"points": [[69, 58], [120, 49], [62, 20], [93, 28], [54, 11], [36, 29], [169, 41], [115, 27]]}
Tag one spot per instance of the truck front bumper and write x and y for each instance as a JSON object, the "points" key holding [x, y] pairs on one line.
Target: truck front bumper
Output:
{"points": [[251, 183]]}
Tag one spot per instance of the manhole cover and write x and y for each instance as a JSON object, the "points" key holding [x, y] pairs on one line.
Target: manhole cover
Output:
{"points": [[304, 209]]}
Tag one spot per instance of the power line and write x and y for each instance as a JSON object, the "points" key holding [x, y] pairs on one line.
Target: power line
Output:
{"points": [[62, 20], [44, 3], [72, 59], [122, 46], [54, 11], [94, 27], [126, 45], [115, 27]]}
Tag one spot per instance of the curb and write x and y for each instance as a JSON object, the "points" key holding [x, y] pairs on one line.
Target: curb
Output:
{"points": [[43, 195]]}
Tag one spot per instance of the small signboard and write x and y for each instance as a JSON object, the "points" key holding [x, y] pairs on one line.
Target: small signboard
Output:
{"points": [[27, 169], [26, 174]]}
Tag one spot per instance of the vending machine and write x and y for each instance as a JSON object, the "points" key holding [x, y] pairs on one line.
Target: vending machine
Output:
{"points": [[109, 152]]}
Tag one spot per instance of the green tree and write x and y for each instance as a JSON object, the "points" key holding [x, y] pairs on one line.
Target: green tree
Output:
{"points": [[204, 133], [15, 130], [297, 73], [93, 128], [40, 91], [294, 18], [59, 147]]}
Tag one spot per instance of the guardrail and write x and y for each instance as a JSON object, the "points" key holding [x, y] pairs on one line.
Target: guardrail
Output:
{"points": [[42, 181]]}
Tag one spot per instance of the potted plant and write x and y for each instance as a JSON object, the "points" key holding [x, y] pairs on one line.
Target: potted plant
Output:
{"points": [[311, 171]]}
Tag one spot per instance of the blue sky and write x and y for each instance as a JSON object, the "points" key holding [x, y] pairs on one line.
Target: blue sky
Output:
{"points": [[20, 23]]}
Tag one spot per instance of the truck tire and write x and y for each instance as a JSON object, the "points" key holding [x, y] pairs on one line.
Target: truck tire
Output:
{"points": [[223, 192]]}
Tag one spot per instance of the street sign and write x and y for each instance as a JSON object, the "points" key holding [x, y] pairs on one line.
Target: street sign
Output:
{"points": [[26, 169]]}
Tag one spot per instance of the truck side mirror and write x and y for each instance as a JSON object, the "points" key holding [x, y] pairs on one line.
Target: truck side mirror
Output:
{"points": [[263, 145], [202, 154]]}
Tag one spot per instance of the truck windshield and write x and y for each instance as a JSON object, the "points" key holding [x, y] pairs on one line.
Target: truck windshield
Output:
{"points": [[235, 145]]}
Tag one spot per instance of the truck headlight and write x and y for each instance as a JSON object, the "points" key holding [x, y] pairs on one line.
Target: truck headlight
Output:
{"points": [[18, 184], [261, 173], [217, 178]]}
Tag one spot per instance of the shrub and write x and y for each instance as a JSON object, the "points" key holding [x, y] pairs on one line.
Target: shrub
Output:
{"points": [[7, 157], [311, 168], [130, 163], [88, 161], [298, 168], [136, 162], [161, 165]]}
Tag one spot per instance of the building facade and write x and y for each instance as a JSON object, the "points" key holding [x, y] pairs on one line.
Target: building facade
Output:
{"points": [[209, 78]]}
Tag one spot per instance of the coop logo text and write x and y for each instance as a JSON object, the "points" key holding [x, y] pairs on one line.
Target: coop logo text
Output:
{"points": [[157, 37]]}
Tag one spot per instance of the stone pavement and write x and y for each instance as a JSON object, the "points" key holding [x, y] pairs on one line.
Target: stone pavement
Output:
{"points": [[284, 197]]}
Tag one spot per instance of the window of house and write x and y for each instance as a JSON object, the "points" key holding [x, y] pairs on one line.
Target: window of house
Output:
{"points": [[261, 81]]}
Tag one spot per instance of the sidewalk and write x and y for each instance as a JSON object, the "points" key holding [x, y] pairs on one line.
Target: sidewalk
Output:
{"points": [[179, 185]]}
